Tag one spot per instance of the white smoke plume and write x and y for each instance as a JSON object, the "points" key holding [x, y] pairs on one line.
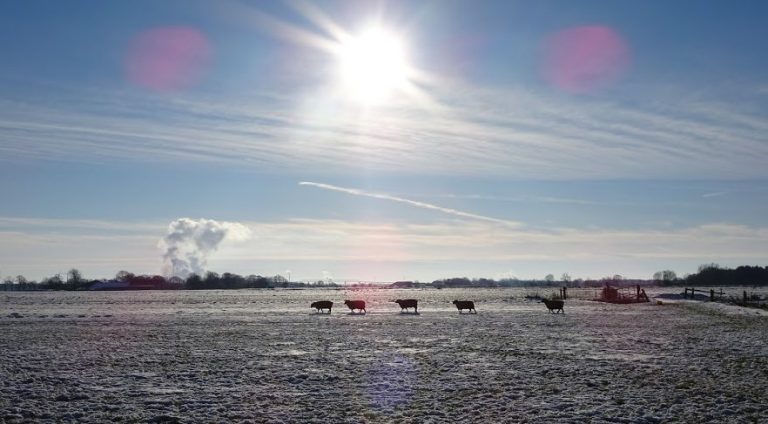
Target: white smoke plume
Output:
{"points": [[189, 242], [327, 277]]}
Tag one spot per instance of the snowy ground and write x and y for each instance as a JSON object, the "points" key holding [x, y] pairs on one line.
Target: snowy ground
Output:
{"points": [[264, 356]]}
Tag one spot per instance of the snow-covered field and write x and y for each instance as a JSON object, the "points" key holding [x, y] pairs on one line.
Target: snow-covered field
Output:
{"points": [[265, 356]]}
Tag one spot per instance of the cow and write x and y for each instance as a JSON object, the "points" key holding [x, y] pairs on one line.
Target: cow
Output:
{"points": [[356, 304], [408, 303], [554, 305], [322, 304], [465, 304]]}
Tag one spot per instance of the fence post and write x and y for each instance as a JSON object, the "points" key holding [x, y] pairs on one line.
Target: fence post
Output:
{"points": [[711, 295], [745, 296]]}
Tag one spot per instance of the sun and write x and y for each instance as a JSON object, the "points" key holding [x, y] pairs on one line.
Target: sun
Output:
{"points": [[373, 66]]}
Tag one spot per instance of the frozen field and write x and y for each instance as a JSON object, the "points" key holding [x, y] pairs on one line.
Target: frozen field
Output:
{"points": [[264, 356]]}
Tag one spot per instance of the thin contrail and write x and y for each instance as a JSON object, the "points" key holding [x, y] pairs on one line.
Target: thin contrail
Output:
{"points": [[423, 205]]}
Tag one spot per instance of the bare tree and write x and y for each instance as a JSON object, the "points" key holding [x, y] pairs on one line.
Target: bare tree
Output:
{"points": [[665, 276], [22, 282], [8, 283], [74, 278], [124, 276]]}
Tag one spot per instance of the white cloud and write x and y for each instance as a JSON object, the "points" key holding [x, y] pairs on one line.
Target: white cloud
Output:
{"points": [[80, 225], [714, 194], [493, 131]]}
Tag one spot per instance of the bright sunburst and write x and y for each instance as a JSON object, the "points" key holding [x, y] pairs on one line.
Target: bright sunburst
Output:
{"points": [[373, 66]]}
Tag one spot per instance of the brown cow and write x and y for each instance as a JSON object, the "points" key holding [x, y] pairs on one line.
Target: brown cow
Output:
{"points": [[356, 304]]}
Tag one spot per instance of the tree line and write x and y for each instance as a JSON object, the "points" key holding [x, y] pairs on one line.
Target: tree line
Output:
{"points": [[124, 280], [707, 275], [714, 275]]}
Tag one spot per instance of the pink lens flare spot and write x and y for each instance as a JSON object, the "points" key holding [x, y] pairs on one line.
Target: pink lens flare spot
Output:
{"points": [[168, 58], [586, 58]]}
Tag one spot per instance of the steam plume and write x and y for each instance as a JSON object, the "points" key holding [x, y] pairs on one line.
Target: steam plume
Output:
{"points": [[189, 242]]}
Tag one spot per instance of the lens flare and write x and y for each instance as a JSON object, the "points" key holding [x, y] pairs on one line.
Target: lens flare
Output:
{"points": [[168, 58], [584, 59]]}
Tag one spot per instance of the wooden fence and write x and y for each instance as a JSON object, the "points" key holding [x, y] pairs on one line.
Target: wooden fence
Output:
{"points": [[713, 295], [605, 294]]}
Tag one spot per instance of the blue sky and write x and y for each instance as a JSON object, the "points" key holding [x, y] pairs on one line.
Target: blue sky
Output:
{"points": [[489, 161]]}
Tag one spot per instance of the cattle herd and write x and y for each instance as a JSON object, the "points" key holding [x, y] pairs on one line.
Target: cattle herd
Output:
{"points": [[555, 306]]}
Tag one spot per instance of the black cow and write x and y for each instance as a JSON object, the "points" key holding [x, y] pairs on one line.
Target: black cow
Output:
{"points": [[322, 304], [554, 305], [465, 304], [408, 303]]}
